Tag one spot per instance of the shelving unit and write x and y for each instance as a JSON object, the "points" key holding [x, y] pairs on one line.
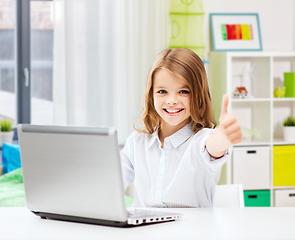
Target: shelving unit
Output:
{"points": [[260, 112]]}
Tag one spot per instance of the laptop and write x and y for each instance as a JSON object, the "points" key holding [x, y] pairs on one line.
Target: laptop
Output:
{"points": [[74, 174]]}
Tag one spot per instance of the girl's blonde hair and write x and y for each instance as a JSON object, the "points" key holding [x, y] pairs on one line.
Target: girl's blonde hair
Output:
{"points": [[188, 67]]}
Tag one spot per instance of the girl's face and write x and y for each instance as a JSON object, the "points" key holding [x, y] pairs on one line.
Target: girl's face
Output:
{"points": [[171, 99]]}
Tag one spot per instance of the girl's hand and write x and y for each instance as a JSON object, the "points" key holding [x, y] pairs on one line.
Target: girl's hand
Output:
{"points": [[228, 133], [229, 126]]}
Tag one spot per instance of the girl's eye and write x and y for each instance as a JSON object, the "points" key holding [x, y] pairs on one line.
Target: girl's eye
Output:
{"points": [[184, 92], [162, 91]]}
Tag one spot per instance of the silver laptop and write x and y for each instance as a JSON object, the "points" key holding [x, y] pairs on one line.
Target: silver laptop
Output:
{"points": [[74, 174]]}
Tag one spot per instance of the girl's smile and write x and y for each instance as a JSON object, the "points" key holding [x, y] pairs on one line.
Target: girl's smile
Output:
{"points": [[173, 111]]}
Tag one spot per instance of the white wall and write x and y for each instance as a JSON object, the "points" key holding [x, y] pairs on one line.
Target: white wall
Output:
{"points": [[276, 17]]}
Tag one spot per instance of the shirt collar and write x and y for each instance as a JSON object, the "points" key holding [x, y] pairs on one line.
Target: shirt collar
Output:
{"points": [[177, 138], [154, 137]]}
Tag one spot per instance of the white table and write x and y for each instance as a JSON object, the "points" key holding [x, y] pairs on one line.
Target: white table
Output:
{"points": [[202, 223]]}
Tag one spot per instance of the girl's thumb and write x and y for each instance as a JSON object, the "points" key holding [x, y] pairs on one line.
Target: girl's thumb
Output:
{"points": [[224, 105]]}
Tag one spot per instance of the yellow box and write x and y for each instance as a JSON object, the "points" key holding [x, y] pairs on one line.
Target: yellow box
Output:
{"points": [[1, 170], [284, 165]]}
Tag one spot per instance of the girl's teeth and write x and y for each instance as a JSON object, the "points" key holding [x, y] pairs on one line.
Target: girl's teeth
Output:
{"points": [[172, 111]]}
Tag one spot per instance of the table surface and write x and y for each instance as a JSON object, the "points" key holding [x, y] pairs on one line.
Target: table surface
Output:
{"points": [[197, 223]]}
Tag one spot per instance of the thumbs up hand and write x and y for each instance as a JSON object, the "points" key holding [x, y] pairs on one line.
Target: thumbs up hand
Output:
{"points": [[228, 133], [229, 125], [224, 107]]}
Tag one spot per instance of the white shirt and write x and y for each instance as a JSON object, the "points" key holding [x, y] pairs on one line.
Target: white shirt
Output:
{"points": [[179, 175]]}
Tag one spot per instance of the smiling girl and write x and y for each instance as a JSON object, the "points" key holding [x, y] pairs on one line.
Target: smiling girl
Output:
{"points": [[175, 160]]}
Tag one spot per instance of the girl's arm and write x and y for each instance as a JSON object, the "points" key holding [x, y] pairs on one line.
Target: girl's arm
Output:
{"points": [[127, 162], [228, 133]]}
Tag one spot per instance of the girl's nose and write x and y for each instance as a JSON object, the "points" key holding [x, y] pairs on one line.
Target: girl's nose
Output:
{"points": [[171, 102]]}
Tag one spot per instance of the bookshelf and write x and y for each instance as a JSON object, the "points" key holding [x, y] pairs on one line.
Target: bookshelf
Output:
{"points": [[260, 114]]}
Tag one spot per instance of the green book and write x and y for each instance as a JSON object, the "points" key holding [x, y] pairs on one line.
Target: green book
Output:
{"points": [[289, 83]]}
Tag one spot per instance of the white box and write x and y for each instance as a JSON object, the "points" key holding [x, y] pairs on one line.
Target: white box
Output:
{"points": [[251, 167], [284, 197]]}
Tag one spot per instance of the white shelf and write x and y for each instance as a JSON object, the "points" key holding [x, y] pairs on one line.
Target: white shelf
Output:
{"points": [[254, 189], [251, 99], [283, 99], [252, 143], [278, 141], [271, 188], [283, 187], [262, 114], [262, 99], [256, 54]]}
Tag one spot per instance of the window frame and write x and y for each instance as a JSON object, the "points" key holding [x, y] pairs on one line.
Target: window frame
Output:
{"points": [[23, 60], [23, 90]]}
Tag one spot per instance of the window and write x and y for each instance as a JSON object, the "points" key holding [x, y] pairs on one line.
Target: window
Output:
{"points": [[7, 60], [41, 35], [26, 61]]}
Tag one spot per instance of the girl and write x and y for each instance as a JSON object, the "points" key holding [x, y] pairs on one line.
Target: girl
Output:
{"points": [[175, 160]]}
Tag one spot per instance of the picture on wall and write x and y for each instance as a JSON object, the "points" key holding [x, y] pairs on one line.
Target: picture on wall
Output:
{"points": [[235, 32]]}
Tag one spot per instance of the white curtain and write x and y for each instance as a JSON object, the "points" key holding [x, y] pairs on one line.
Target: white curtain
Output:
{"points": [[103, 51]]}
